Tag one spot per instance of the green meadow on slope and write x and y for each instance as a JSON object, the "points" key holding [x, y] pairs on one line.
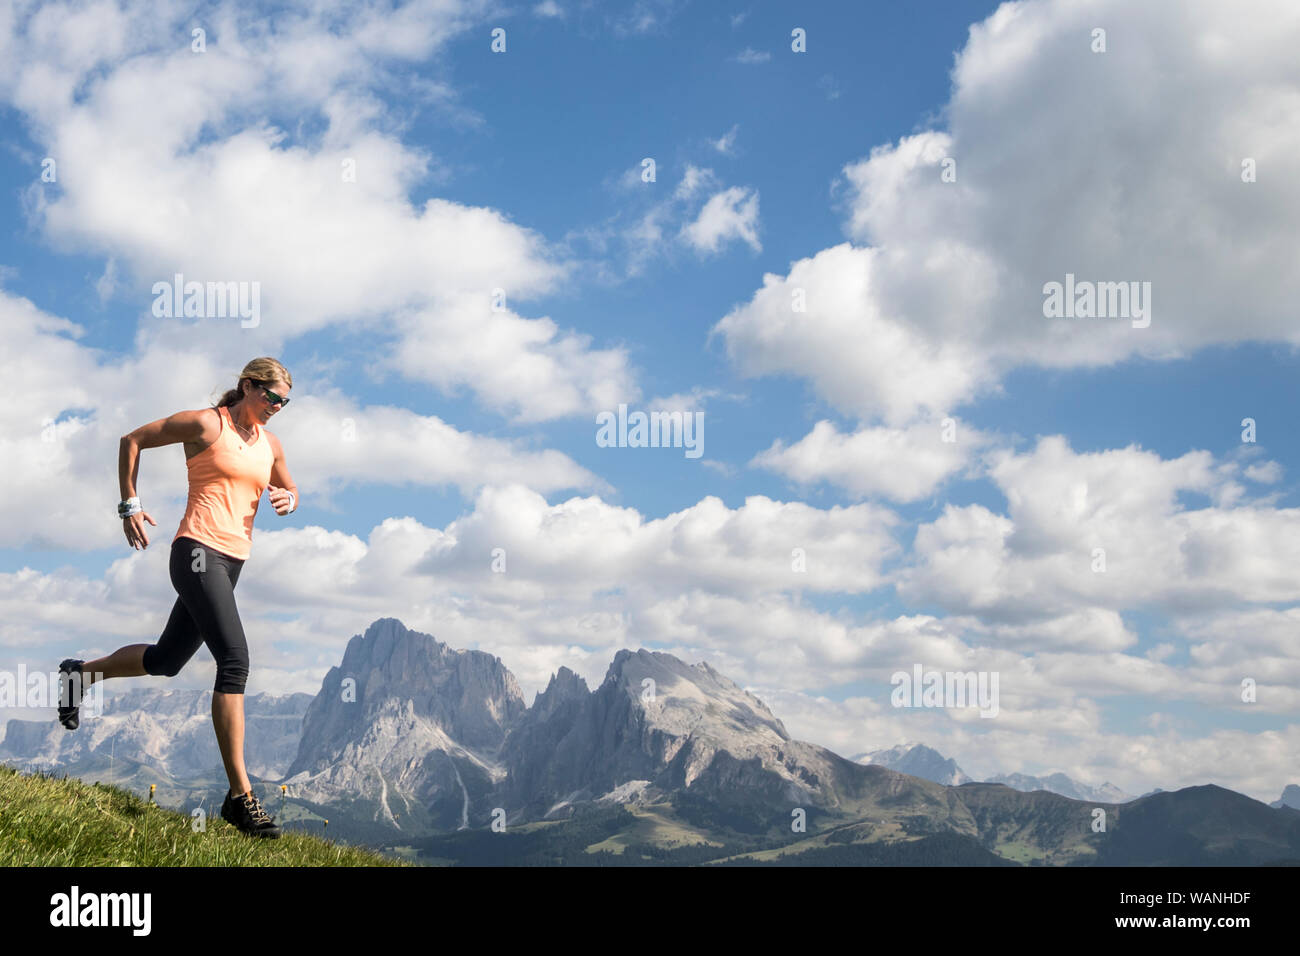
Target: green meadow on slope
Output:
{"points": [[48, 820]]}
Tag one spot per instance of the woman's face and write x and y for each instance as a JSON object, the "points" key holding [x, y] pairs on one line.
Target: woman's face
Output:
{"points": [[261, 405]]}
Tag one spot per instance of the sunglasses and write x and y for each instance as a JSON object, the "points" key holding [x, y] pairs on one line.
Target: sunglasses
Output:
{"points": [[273, 398]]}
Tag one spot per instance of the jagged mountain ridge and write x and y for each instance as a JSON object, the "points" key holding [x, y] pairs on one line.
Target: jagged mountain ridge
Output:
{"points": [[654, 725], [443, 738]]}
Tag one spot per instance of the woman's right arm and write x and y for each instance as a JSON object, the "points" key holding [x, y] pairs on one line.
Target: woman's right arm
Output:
{"points": [[181, 427]]}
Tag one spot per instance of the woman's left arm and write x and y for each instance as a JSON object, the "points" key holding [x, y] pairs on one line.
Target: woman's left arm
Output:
{"points": [[284, 493]]}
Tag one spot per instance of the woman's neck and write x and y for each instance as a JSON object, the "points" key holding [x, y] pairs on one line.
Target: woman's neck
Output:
{"points": [[237, 414]]}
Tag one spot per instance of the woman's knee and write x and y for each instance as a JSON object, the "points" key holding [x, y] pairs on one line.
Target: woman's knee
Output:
{"points": [[232, 676], [159, 666]]}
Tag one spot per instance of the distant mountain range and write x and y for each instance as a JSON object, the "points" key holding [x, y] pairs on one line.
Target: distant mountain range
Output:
{"points": [[919, 761], [170, 730], [922, 761], [414, 745]]}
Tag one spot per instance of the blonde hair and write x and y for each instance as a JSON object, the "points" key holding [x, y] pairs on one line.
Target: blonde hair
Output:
{"points": [[260, 371]]}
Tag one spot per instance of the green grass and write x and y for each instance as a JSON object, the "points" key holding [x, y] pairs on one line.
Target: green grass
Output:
{"points": [[62, 821], [655, 824]]}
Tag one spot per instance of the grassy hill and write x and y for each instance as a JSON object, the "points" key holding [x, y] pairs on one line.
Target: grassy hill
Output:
{"points": [[62, 821]]}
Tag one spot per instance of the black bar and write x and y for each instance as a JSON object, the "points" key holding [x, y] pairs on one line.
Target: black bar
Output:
{"points": [[326, 905]]}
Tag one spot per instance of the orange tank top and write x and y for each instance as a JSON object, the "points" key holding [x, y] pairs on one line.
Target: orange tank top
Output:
{"points": [[226, 483]]}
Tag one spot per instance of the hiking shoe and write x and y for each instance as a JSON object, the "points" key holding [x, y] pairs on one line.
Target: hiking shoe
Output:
{"points": [[70, 691], [245, 813]]}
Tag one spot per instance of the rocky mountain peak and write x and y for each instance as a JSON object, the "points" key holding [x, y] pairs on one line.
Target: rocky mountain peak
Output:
{"points": [[468, 697], [564, 686], [682, 698]]}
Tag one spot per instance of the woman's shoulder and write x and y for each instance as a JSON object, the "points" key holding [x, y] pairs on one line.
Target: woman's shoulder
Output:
{"points": [[207, 420]]}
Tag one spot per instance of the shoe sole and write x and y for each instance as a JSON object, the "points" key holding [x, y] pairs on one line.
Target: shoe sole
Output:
{"points": [[69, 717]]}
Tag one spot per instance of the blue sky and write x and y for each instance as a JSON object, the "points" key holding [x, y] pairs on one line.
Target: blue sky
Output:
{"points": [[542, 146]]}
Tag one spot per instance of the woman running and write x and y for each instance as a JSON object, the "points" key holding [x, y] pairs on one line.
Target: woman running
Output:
{"points": [[231, 460]]}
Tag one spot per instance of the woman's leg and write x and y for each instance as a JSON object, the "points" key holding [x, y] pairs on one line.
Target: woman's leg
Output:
{"points": [[210, 597], [228, 719], [228, 695], [124, 662]]}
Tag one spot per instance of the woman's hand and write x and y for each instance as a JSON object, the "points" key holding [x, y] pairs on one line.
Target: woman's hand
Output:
{"points": [[279, 499], [134, 529]]}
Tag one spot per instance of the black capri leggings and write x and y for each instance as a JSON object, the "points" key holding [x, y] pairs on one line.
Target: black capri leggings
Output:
{"points": [[204, 613]]}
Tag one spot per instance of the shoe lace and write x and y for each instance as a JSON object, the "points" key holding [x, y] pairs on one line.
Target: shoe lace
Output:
{"points": [[255, 811]]}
